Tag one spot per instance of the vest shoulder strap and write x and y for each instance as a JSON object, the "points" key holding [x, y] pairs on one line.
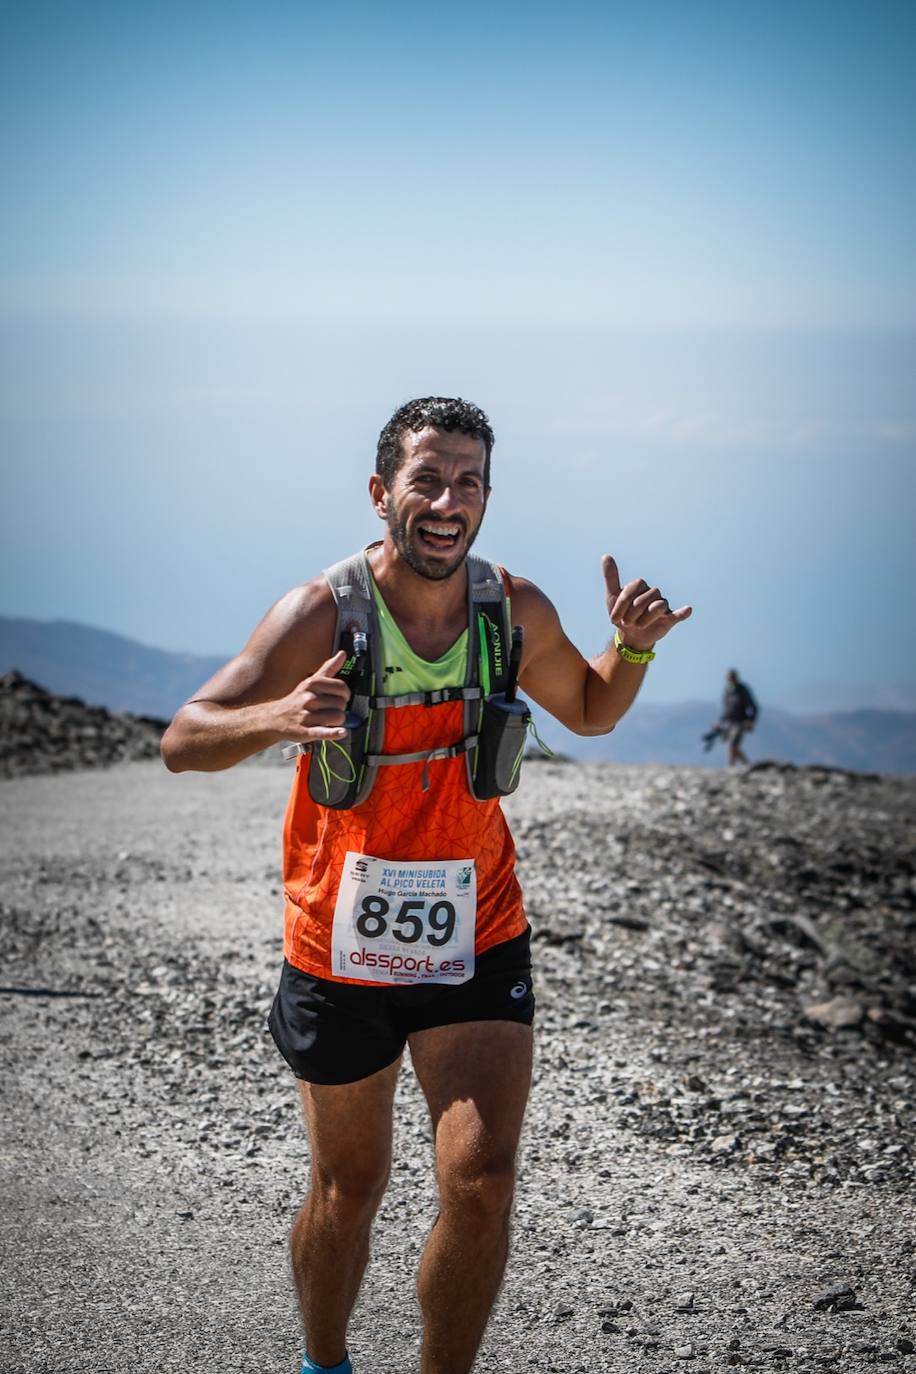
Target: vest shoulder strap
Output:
{"points": [[489, 638], [349, 581], [351, 585], [490, 631]]}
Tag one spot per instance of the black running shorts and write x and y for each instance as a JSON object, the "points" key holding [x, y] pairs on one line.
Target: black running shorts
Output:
{"points": [[330, 1032]]}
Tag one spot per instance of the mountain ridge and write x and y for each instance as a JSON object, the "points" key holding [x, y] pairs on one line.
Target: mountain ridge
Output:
{"points": [[102, 667], [107, 669]]}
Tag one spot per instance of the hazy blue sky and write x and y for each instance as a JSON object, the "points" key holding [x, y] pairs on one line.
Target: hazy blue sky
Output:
{"points": [[670, 248]]}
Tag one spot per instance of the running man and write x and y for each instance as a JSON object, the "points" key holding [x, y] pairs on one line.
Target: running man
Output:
{"points": [[404, 921]]}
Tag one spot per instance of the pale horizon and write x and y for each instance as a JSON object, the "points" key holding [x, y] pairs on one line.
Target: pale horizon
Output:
{"points": [[671, 254]]}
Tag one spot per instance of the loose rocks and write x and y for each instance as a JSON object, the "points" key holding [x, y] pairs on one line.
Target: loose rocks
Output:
{"points": [[43, 733], [151, 1091]]}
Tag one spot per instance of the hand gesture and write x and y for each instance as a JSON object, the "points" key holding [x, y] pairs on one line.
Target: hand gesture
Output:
{"points": [[640, 612], [315, 708]]}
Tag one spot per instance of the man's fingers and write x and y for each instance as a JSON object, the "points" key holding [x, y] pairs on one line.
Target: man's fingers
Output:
{"points": [[320, 732], [622, 607], [638, 608], [653, 617], [331, 716], [334, 687], [323, 695], [648, 606], [325, 679]]}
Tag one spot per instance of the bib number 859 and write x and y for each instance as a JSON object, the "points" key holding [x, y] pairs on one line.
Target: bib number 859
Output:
{"points": [[406, 924]]}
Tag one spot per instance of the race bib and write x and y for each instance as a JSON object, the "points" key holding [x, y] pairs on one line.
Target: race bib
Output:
{"points": [[405, 922]]}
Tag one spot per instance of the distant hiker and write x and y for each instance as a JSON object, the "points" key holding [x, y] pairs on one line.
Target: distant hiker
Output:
{"points": [[738, 715], [394, 675]]}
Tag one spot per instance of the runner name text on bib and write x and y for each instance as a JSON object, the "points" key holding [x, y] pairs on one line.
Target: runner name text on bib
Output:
{"points": [[405, 922]]}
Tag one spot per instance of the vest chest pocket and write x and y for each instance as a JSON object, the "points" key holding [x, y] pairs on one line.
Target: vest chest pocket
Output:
{"points": [[502, 737], [336, 768]]}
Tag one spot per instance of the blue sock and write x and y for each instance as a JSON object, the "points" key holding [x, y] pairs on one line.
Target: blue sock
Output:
{"points": [[310, 1367]]}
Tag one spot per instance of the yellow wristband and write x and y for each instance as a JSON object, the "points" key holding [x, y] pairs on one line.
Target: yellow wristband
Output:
{"points": [[632, 655]]}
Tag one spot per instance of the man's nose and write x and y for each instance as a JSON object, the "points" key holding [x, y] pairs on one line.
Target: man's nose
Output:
{"points": [[446, 499]]}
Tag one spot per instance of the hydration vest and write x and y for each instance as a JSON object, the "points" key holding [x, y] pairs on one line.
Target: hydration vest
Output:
{"points": [[342, 772]]}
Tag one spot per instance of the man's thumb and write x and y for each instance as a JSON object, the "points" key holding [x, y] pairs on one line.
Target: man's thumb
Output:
{"points": [[333, 664], [611, 576]]}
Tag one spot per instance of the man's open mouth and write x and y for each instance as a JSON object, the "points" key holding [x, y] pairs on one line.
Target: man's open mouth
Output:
{"points": [[436, 535]]}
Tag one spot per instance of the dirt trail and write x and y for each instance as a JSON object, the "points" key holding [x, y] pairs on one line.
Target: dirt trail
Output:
{"points": [[700, 1161]]}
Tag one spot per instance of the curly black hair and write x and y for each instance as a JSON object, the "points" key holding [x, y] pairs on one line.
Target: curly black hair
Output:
{"points": [[440, 412]]}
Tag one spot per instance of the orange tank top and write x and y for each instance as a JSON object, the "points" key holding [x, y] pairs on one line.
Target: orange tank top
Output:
{"points": [[397, 821]]}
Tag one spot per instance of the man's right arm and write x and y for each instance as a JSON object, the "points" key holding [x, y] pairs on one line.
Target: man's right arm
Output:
{"points": [[282, 686]]}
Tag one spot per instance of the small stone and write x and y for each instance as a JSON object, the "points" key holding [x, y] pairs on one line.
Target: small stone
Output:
{"points": [[837, 1298], [684, 1302], [724, 1145], [905, 1345], [685, 1352], [840, 1013]]}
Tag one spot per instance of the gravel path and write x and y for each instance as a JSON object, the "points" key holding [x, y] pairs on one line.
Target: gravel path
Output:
{"points": [[702, 1160]]}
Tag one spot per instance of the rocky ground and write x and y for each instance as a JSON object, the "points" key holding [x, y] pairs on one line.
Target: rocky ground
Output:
{"points": [[44, 733], [718, 1166]]}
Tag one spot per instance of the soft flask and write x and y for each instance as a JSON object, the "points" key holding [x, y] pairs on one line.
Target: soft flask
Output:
{"points": [[503, 734]]}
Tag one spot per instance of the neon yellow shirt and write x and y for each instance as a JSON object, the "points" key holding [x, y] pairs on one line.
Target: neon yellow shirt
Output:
{"points": [[405, 671]]}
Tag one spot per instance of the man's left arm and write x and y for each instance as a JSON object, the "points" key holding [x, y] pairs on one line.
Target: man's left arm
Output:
{"points": [[589, 697]]}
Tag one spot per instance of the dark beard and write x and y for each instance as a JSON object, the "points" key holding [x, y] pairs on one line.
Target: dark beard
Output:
{"points": [[433, 571]]}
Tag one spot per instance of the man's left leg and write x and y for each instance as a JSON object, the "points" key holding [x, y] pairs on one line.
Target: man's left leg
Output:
{"points": [[736, 754], [476, 1077]]}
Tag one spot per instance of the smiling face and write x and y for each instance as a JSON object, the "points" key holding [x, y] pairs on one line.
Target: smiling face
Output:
{"points": [[436, 501]]}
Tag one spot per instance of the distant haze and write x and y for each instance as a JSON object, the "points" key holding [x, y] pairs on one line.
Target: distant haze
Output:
{"points": [[670, 249]]}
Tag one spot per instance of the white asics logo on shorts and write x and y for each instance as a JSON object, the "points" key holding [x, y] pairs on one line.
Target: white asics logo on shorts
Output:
{"points": [[518, 991]]}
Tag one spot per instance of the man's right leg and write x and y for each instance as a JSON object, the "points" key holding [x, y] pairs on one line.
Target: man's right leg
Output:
{"points": [[349, 1127]]}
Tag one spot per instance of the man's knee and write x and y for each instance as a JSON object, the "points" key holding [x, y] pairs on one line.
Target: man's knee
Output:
{"points": [[483, 1189], [350, 1186]]}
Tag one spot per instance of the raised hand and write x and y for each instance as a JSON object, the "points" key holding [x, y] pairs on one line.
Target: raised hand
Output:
{"points": [[640, 612], [315, 708]]}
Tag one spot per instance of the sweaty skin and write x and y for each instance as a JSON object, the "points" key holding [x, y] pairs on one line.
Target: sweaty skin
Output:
{"points": [[282, 686], [475, 1076]]}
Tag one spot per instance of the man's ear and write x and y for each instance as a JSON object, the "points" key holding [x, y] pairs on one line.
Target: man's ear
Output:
{"points": [[378, 493]]}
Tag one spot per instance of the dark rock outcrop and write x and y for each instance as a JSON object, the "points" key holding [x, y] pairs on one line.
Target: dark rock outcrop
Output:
{"points": [[44, 733]]}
